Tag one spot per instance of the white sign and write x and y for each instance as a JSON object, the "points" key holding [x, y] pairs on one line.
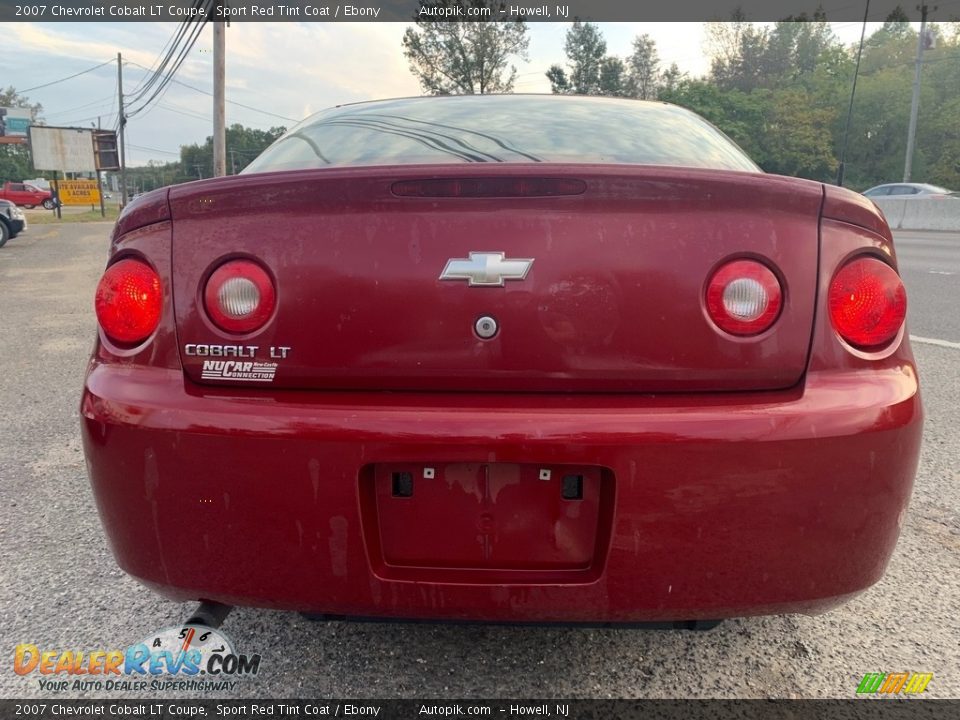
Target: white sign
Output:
{"points": [[63, 149]]}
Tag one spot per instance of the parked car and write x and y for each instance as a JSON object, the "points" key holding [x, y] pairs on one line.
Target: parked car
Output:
{"points": [[12, 221], [908, 190], [27, 195], [504, 358]]}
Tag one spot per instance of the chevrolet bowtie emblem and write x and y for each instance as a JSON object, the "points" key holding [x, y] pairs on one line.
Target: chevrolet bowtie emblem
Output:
{"points": [[486, 269]]}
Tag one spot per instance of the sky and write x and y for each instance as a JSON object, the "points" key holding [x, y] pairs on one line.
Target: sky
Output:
{"points": [[283, 72]]}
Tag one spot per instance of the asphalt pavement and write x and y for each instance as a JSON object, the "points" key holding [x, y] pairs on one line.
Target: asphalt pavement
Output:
{"points": [[930, 266], [60, 588]]}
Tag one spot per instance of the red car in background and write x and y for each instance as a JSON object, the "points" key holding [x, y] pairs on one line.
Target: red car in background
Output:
{"points": [[27, 195], [507, 358]]}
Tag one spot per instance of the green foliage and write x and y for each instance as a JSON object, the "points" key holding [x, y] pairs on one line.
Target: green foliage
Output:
{"points": [[613, 77], [737, 113], [593, 72], [196, 161], [155, 175], [15, 163], [585, 49], [243, 146], [464, 58], [559, 82], [782, 94], [644, 64], [944, 162]]}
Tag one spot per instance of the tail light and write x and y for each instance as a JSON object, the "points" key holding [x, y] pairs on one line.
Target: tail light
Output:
{"points": [[744, 297], [867, 303], [239, 296], [128, 301]]}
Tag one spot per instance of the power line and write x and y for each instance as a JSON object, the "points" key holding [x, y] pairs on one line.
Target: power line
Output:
{"points": [[165, 152], [155, 69], [99, 102], [86, 119], [165, 82], [187, 113], [69, 77], [232, 102]]}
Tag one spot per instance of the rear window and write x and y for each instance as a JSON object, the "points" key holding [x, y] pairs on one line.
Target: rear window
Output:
{"points": [[503, 128]]}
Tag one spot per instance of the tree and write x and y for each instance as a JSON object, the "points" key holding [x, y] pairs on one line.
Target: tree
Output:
{"points": [[613, 77], [740, 115], [671, 78], [643, 68], [559, 82], [897, 23], [15, 163], [796, 135], [585, 49], [722, 44], [943, 130], [243, 146], [464, 58]]}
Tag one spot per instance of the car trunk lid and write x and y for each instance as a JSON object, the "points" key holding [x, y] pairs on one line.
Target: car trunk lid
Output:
{"points": [[612, 300]]}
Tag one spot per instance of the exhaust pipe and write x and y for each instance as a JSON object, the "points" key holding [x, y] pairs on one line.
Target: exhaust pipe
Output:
{"points": [[211, 614]]}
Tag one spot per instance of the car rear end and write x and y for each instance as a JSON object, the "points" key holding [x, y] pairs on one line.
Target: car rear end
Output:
{"points": [[511, 391], [13, 219]]}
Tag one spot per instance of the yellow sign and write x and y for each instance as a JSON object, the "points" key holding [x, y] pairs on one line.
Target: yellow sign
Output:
{"points": [[79, 192]]}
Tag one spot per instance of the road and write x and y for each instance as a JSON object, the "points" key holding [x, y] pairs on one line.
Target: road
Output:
{"points": [[60, 589], [930, 267]]}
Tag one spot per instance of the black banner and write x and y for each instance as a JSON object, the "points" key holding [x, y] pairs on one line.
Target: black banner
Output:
{"points": [[865, 709], [465, 10]]}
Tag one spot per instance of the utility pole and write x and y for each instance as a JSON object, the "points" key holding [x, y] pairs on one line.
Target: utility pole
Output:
{"points": [[233, 162], [123, 134], [915, 104], [219, 119], [103, 211]]}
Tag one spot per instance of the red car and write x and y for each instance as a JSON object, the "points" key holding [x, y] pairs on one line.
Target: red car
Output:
{"points": [[27, 195], [506, 358]]}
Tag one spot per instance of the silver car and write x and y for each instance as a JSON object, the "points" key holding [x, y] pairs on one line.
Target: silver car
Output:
{"points": [[902, 190]]}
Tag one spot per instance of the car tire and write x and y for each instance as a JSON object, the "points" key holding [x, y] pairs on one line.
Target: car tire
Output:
{"points": [[29, 207], [48, 205], [4, 234]]}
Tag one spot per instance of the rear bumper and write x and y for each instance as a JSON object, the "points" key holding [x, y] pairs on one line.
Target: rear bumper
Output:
{"points": [[719, 506]]}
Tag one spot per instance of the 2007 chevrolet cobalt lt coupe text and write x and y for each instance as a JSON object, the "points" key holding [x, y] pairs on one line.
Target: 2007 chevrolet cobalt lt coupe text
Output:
{"points": [[507, 358]]}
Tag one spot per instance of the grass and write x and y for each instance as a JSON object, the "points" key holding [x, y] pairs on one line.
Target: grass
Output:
{"points": [[48, 217]]}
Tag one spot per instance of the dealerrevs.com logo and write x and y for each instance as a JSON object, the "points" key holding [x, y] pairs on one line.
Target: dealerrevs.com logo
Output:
{"points": [[904, 683], [186, 658]]}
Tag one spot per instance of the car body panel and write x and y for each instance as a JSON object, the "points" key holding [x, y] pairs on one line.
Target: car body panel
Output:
{"points": [[699, 501], [739, 505], [603, 308]]}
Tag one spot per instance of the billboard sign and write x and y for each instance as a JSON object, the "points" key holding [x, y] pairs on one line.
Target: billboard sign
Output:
{"points": [[78, 192], [63, 149], [14, 121]]}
